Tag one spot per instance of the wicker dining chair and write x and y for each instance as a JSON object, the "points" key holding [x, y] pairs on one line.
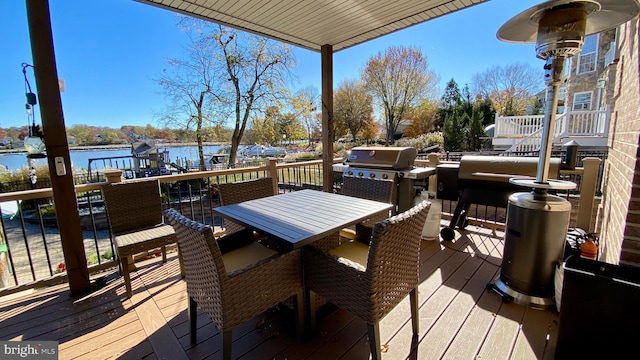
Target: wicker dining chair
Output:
{"points": [[134, 210], [382, 190], [369, 281], [236, 192], [234, 287]]}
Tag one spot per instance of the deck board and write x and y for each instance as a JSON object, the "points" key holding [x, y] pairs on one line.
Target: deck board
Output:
{"points": [[459, 317], [503, 332], [327, 331], [468, 339], [154, 323], [531, 337], [436, 342]]}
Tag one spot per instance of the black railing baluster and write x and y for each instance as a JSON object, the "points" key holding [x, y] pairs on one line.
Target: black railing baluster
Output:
{"points": [[180, 197], [201, 197], [26, 242], [44, 241], [190, 194], [93, 226], [6, 238]]}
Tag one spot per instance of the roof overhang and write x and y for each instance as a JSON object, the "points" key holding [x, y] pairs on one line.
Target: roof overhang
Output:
{"points": [[310, 24]]}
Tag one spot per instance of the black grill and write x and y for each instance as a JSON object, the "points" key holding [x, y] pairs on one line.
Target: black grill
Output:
{"points": [[483, 180]]}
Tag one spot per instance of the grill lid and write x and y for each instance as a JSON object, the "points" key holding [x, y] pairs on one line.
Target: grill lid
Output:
{"points": [[397, 158], [501, 168]]}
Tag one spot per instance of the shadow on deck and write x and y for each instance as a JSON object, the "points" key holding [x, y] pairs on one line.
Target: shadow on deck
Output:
{"points": [[459, 318]]}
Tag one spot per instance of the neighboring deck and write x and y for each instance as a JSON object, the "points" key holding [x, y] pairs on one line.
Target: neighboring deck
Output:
{"points": [[459, 318]]}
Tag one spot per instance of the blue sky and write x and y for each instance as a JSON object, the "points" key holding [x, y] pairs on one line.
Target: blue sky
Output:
{"points": [[109, 51]]}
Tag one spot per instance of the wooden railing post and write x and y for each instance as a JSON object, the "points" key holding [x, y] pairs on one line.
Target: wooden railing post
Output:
{"points": [[113, 175], [434, 160], [273, 173], [587, 193]]}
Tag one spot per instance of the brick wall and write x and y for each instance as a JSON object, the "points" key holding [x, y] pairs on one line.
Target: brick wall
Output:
{"points": [[619, 226]]}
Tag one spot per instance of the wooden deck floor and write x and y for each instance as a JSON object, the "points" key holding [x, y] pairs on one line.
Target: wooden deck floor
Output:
{"points": [[459, 318]]}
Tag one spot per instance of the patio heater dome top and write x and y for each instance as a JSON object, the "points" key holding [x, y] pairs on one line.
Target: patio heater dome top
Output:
{"points": [[559, 26]]}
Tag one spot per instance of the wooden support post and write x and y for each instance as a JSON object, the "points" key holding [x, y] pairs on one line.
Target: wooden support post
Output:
{"points": [[55, 138], [327, 117], [434, 160], [587, 193], [273, 173]]}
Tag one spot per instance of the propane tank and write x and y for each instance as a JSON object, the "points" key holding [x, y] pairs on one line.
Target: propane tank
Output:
{"points": [[431, 228]]}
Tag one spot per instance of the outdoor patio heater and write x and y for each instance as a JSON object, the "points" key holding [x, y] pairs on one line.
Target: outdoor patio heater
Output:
{"points": [[537, 222]]}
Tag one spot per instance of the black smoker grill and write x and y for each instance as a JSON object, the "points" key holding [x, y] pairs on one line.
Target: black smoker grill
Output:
{"points": [[394, 163], [483, 180]]}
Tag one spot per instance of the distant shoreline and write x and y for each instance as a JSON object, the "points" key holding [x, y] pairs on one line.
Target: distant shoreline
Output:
{"points": [[115, 146]]}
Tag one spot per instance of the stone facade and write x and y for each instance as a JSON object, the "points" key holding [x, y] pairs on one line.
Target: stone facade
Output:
{"points": [[619, 227], [588, 81]]}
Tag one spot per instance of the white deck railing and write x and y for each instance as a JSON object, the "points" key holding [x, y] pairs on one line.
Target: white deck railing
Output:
{"points": [[527, 130]]}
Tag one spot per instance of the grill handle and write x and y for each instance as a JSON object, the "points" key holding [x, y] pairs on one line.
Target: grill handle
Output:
{"points": [[496, 177]]}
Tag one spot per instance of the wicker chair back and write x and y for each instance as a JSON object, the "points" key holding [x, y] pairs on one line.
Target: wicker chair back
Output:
{"points": [[233, 193], [133, 206], [369, 188]]}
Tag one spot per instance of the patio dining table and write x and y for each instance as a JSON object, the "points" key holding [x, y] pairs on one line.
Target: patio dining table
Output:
{"points": [[301, 217]]}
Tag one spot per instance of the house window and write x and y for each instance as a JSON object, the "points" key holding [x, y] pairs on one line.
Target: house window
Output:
{"points": [[582, 100], [562, 92], [588, 57]]}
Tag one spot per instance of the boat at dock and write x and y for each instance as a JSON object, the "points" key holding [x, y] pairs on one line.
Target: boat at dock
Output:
{"points": [[261, 151]]}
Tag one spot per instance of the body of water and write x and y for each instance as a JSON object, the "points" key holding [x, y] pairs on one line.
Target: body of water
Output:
{"points": [[80, 158]]}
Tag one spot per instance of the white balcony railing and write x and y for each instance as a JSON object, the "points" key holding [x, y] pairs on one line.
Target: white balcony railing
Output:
{"points": [[525, 132]]}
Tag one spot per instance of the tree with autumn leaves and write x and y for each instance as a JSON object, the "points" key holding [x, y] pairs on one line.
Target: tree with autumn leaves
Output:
{"points": [[399, 79], [353, 110]]}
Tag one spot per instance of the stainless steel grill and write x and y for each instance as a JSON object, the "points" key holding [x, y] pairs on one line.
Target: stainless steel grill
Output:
{"points": [[393, 163]]}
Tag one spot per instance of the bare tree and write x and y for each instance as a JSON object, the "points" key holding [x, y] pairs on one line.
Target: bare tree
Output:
{"points": [[399, 79], [305, 103], [352, 108], [257, 71], [225, 75], [510, 88], [191, 85]]}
